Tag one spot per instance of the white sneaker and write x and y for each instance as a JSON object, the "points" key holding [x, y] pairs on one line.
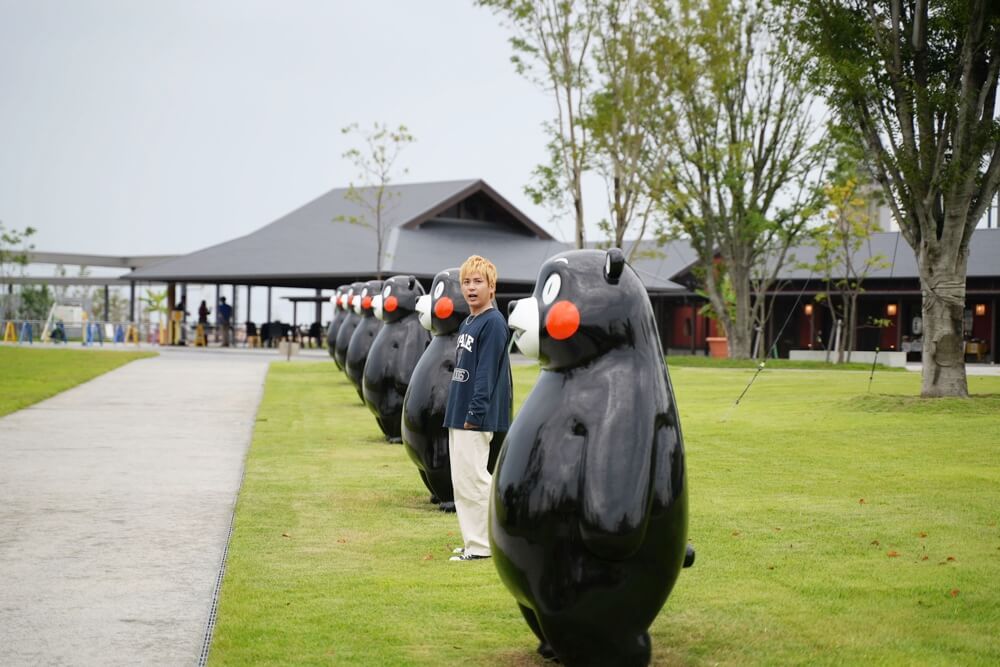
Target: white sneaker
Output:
{"points": [[458, 550], [467, 557]]}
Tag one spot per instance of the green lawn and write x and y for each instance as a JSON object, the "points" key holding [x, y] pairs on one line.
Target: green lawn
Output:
{"points": [[832, 527], [31, 374]]}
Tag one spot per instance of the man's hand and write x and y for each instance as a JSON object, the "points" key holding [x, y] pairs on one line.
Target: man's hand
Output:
{"points": [[470, 427]]}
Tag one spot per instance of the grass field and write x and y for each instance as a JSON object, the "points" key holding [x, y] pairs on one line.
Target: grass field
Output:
{"points": [[832, 527], [31, 374]]}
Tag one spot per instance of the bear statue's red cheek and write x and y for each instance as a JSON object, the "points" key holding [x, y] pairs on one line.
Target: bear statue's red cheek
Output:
{"points": [[444, 308], [366, 303], [390, 304], [563, 320]]}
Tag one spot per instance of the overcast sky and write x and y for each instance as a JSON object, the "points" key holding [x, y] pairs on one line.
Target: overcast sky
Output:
{"points": [[150, 127]]}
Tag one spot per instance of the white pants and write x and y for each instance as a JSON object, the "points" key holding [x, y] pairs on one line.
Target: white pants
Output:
{"points": [[469, 452]]}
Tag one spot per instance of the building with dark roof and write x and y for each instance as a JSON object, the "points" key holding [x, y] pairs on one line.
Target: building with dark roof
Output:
{"points": [[432, 226]]}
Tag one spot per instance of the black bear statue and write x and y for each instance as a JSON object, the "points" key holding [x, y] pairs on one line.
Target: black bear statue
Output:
{"points": [[339, 313], [424, 436], [347, 326], [394, 353], [364, 334], [589, 515]]}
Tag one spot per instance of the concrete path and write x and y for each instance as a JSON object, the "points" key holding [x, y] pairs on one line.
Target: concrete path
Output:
{"points": [[116, 500]]}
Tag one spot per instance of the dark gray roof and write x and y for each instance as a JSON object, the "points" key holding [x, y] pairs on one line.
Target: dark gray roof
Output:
{"points": [[984, 257], [308, 243], [432, 226], [663, 263]]}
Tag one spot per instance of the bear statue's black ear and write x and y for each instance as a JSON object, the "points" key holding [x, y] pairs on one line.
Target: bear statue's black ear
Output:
{"points": [[413, 280], [614, 265]]}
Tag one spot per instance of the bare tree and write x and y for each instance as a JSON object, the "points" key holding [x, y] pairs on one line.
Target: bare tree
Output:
{"points": [[376, 164], [919, 82]]}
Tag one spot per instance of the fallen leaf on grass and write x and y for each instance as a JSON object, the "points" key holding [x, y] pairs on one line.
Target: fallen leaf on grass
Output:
{"points": [[341, 540], [428, 557], [950, 559], [875, 543], [861, 501], [736, 533], [285, 535], [925, 557], [892, 554], [953, 593], [922, 534]]}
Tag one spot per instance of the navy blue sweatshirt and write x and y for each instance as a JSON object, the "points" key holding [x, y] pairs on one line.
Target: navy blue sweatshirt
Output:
{"points": [[480, 391]]}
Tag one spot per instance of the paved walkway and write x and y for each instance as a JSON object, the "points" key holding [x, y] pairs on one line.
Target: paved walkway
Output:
{"points": [[116, 499]]}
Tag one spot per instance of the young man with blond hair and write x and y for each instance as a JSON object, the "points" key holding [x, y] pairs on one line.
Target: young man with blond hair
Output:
{"points": [[479, 404]]}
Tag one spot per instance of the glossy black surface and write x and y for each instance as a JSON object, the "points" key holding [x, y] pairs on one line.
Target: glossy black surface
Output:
{"points": [[347, 327], [363, 337], [339, 313], [394, 353], [424, 435], [589, 502]]}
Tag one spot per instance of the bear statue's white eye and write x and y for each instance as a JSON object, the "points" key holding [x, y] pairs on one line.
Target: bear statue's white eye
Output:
{"points": [[439, 290], [551, 289], [386, 291], [364, 292]]}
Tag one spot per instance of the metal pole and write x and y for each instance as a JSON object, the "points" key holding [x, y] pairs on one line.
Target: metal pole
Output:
{"points": [[268, 303], [131, 301], [107, 304], [319, 306], [249, 317]]}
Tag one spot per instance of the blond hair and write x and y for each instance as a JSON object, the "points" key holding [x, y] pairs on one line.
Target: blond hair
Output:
{"points": [[482, 266]]}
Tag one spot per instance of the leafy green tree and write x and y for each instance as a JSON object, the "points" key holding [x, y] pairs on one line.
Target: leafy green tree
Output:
{"points": [[622, 118], [156, 302], [839, 258], [118, 305], [918, 81], [14, 249], [376, 165], [743, 149], [36, 300], [551, 45]]}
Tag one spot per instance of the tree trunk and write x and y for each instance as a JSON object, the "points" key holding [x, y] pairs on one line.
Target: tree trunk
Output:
{"points": [[943, 341], [578, 208], [851, 335], [740, 333]]}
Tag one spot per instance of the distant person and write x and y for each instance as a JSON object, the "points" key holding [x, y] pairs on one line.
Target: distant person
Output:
{"points": [[203, 313], [225, 321], [180, 318], [316, 335]]}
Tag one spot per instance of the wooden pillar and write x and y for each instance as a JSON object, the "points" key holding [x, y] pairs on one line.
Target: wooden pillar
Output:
{"points": [[248, 317], [319, 306], [131, 301], [268, 303], [171, 293], [107, 303], [994, 322]]}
